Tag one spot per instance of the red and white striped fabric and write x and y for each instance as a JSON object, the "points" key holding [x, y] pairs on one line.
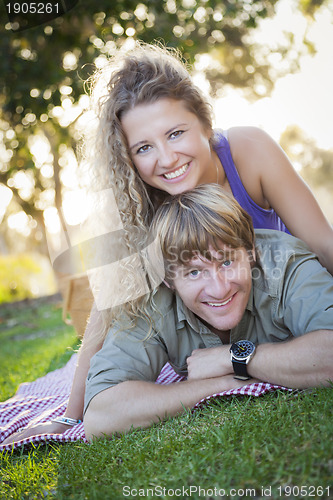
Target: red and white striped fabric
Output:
{"points": [[47, 397]]}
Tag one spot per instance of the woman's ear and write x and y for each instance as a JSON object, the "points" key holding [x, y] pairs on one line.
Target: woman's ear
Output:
{"points": [[169, 285]]}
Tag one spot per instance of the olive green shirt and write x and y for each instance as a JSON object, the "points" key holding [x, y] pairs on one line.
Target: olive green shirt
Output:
{"points": [[292, 294]]}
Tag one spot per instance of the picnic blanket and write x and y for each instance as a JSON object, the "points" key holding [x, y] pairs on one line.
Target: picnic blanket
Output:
{"points": [[47, 397]]}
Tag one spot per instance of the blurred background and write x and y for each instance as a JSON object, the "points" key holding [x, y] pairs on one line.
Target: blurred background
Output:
{"points": [[267, 63]]}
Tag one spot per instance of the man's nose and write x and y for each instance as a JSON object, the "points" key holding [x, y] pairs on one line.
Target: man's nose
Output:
{"points": [[218, 285]]}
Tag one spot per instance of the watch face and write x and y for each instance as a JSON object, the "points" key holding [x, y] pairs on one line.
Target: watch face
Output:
{"points": [[242, 349]]}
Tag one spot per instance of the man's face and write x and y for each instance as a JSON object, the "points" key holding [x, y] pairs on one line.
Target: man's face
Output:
{"points": [[217, 291]]}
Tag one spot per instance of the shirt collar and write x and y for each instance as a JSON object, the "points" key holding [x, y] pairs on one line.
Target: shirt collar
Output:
{"points": [[250, 302], [184, 314]]}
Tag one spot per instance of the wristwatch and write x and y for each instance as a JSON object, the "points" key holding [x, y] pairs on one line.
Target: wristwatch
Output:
{"points": [[241, 353]]}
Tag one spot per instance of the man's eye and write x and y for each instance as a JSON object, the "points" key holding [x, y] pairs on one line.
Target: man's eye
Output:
{"points": [[193, 273], [227, 263]]}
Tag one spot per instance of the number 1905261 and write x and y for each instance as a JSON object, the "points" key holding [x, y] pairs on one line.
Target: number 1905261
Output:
{"points": [[303, 491], [33, 8]]}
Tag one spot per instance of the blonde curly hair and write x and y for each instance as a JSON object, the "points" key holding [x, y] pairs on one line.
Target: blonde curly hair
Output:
{"points": [[142, 74]]}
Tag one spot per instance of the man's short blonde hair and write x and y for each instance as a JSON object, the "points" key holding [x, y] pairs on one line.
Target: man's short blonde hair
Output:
{"points": [[188, 224]]}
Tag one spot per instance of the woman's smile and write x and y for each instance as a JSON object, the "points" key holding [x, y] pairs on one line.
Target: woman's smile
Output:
{"points": [[177, 173]]}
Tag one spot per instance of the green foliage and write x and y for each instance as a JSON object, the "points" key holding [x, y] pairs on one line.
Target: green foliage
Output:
{"points": [[46, 66], [36, 61], [315, 165], [15, 276], [310, 7], [92, 29], [25, 275]]}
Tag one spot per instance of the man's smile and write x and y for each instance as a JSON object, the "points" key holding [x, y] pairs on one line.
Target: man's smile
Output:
{"points": [[220, 304]]}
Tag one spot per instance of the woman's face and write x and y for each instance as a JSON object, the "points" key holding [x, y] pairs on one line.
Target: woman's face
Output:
{"points": [[169, 146]]}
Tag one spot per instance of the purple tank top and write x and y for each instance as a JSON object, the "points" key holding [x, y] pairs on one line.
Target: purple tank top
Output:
{"points": [[261, 218]]}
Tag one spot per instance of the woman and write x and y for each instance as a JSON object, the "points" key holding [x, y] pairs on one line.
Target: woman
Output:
{"points": [[154, 137]]}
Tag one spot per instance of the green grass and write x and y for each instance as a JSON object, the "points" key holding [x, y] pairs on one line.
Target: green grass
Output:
{"points": [[237, 447], [34, 341]]}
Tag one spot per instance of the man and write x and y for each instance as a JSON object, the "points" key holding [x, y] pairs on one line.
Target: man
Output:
{"points": [[236, 308]]}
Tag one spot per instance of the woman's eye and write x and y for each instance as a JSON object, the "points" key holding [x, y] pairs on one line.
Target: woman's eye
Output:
{"points": [[227, 263], [143, 149], [176, 133]]}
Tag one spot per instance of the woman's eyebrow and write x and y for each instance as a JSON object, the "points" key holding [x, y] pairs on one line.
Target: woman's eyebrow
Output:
{"points": [[146, 141], [137, 144]]}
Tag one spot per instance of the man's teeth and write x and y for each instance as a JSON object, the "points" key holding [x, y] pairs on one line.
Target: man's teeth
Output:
{"points": [[177, 173], [219, 304]]}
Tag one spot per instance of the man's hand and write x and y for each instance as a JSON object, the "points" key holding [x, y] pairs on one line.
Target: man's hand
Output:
{"points": [[209, 363]]}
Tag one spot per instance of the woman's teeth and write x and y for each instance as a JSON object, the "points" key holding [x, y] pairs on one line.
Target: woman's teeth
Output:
{"points": [[176, 173]]}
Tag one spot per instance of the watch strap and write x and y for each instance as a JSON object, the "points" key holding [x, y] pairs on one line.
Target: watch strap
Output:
{"points": [[240, 370]]}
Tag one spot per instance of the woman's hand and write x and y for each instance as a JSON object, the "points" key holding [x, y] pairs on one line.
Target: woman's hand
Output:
{"points": [[36, 429]]}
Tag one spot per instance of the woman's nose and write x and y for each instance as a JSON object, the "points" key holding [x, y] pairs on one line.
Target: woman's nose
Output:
{"points": [[167, 157]]}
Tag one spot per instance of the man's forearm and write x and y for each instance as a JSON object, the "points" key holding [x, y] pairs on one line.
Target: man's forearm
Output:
{"points": [[139, 404], [300, 363]]}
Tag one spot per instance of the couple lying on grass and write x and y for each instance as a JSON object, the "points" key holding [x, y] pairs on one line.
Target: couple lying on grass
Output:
{"points": [[236, 306], [154, 136]]}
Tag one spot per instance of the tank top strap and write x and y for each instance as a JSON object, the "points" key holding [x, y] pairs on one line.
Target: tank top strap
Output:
{"points": [[222, 149], [262, 218]]}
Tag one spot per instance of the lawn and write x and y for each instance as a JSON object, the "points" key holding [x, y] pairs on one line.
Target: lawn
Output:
{"points": [[275, 446]]}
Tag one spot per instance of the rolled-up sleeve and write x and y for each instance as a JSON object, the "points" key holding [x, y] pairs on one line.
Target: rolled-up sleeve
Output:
{"points": [[125, 355], [307, 298]]}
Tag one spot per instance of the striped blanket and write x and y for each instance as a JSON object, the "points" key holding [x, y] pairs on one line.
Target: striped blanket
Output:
{"points": [[46, 398]]}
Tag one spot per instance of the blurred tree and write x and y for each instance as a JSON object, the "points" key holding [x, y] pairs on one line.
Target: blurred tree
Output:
{"points": [[314, 164], [43, 69]]}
